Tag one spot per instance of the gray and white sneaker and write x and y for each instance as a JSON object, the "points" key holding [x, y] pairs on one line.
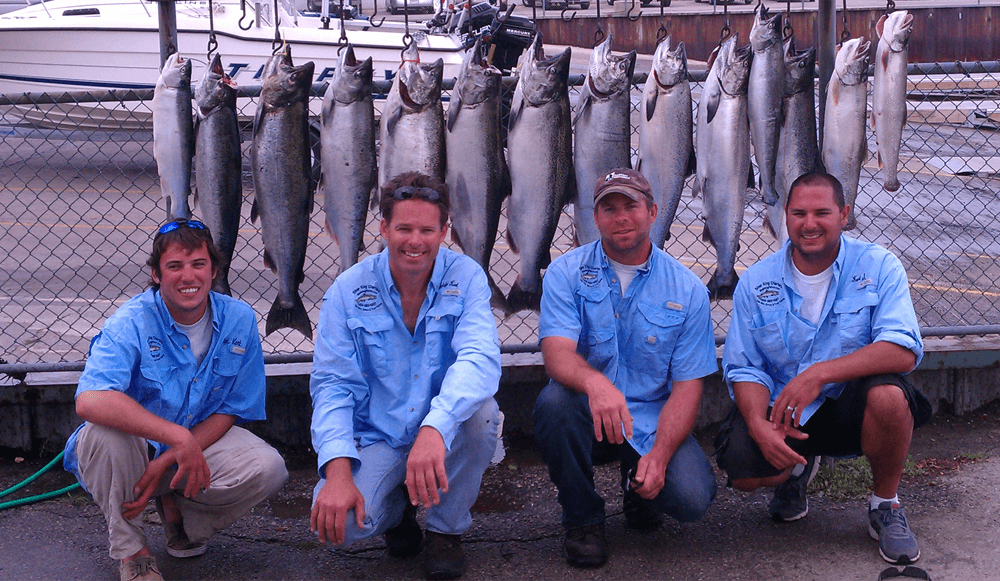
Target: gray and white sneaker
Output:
{"points": [[896, 542], [790, 502]]}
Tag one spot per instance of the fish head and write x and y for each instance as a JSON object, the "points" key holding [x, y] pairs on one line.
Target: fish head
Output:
{"points": [[800, 68], [215, 88], [610, 74], [851, 64], [766, 29], [670, 65], [176, 72], [420, 83], [896, 29], [546, 79], [477, 81], [288, 83], [733, 64], [352, 80]]}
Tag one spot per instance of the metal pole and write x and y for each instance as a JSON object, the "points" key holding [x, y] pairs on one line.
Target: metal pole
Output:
{"points": [[826, 34], [168, 30]]}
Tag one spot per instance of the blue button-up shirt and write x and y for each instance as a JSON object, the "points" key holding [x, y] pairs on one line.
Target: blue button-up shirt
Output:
{"points": [[769, 342], [658, 333], [142, 353], [374, 381]]}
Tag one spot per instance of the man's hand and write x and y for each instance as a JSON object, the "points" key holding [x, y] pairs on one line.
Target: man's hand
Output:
{"points": [[801, 391], [771, 441], [609, 410], [425, 472], [191, 463], [337, 497], [649, 475], [146, 486]]}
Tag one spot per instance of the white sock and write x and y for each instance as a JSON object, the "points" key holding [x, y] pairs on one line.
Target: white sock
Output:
{"points": [[798, 469], [877, 500]]}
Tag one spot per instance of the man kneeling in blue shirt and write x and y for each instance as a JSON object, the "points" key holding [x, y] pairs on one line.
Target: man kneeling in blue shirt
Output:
{"points": [[626, 335], [822, 331], [406, 364], [170, 374]]}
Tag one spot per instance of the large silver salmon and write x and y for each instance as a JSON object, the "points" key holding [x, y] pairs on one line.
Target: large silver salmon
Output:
{"points": [[602, 131], [764, 93], [845, 145], [798, 151], [411, 129], [173, 134], [347, 141], [477, 175], [889, 92], [723, 148], [666, 147], [218, 164], [540, 146], [283, 195]]}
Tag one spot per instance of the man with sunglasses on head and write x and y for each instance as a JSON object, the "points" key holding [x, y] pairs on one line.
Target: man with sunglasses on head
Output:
{"points": [[626, 335], [406, 364], [166, 380]]}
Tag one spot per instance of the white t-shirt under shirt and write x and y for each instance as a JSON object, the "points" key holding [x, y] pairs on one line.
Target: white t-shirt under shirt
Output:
{"points": [[200, 335], [813, 289], [626, 272]]}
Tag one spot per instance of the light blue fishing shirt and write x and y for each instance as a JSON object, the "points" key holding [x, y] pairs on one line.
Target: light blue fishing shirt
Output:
{"points": [[374, 381], [142, 353], [659, 332], [769, 342]]}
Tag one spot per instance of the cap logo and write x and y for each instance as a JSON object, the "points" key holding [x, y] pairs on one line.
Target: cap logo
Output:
{"points": [[614, 175]]}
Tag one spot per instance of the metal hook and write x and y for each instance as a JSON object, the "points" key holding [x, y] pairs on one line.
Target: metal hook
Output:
{"points": [[371, 20], [598, 35], [629, 13], [661, 34], [890, 5], [845, 34], [278, 42], [243, 7], [343, 30], [725, 32], [213, 43], [562, 15]]}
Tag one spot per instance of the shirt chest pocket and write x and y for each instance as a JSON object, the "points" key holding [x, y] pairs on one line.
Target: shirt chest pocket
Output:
{"points": [[778, 360], [597, 336], [150, 384], [854, 320], [224, 370], [439, 328], [656, 331], [371, 336]]}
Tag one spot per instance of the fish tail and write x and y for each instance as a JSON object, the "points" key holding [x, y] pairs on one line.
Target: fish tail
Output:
{"points": [[719, 289], [497, 300], [519, 299], [221, 284], [288, 318]]}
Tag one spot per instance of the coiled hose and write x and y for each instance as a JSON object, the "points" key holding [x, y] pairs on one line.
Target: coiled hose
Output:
{"points": [[37, 497]]}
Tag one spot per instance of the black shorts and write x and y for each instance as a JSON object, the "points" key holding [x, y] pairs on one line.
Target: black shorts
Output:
{"points": [[834, 430]]}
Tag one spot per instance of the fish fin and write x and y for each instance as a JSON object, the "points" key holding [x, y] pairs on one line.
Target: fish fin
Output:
{"points": [[692, 167], [582, 105], [169, 215], [871, 121], [269, 263], [194, 196], [253, 211], [706, 235], [454, 108], [505, 185], [878, 158], [497, 300], [258, 118], [392, 118], [880, 25], [750, 181], [329, 231], [516, 107], [511, 242], [326, 115], [651, 104], [571, 189], [711, 58], [519, 299], [638, 165], [375, 198], [712, 105], [457, 239], [221, 284], [294, 318], [697, 187], [719, 289], [768, 226]]}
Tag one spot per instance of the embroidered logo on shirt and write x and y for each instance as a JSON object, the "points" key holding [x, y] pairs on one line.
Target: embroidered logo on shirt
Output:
{"points": [[675, 306], [769, 293], [366, 297], [590, 276], [155, 348]]}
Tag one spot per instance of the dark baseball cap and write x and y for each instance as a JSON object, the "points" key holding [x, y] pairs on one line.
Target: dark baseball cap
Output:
{"points": [[625, 181]]}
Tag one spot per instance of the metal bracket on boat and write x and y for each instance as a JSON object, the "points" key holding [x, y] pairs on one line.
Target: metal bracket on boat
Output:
{"points": [[371, 19], [243, 7], [629, 13]]}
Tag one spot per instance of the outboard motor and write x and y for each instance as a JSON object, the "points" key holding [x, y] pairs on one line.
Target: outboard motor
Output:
{"points": [[507, 36]]}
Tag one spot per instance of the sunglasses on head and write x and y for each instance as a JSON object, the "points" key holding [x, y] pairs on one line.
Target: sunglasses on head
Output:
{"points": [[408, 192], [175, 224]]}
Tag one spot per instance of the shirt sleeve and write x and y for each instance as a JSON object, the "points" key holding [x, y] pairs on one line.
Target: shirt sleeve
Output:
{"points": [[742, 359], [247, 395], [559, 315], [110, 363], [336, 382], [475, 375], [893, 319], [694, 354]]}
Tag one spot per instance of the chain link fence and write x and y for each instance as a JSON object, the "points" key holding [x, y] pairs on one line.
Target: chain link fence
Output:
{"points": [[81, 201]]}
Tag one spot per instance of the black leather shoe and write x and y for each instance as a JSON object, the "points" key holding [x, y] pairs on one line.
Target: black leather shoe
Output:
{"points": [[586, 547], [443, 556], [403, 540], [639, 513]]}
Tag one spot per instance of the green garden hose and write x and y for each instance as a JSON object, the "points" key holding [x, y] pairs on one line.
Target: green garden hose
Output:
{"points": [[37, 497]]}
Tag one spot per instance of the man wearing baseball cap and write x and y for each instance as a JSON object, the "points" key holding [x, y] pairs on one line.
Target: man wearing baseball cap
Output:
{"points": [[626, 334]]}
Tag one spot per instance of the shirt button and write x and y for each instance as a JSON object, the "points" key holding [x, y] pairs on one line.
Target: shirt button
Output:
{"points": [[190, 416], [416, 375], [184, 346], [617, 315], [411, 409], [195, 380], [416, 342]]}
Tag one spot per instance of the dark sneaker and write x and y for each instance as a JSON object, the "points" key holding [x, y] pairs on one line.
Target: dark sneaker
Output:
{"points": [[178, 544], [586, 547], [896, 542], [403, 540], [443, 556], [790, 502], [639, 513]]}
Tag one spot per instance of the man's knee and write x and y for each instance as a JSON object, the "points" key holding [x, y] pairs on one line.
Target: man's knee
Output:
{"points": [[482, 428], [556, 405], [886, 402], [272, 472], [693, 502]]}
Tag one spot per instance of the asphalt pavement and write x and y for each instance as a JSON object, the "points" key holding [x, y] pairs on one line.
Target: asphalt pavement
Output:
{"points": [[951, 493]]}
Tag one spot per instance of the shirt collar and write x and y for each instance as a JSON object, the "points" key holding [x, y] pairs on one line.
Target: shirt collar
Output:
{"points": [[165, 315], [437, 273], [838, 263], [606, 262]]}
